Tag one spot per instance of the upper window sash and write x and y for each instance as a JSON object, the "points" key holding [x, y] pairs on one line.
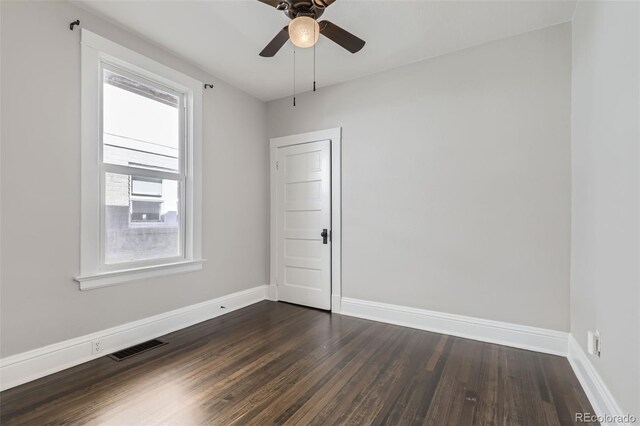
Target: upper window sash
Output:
{"points": [[181, 106]]}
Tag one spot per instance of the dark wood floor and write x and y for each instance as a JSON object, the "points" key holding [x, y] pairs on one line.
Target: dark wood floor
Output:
{"points": [[274, 363]]}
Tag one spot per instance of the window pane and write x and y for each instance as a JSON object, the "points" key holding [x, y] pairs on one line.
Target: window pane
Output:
{"points": [[139, 225], [146, 186], [146, 211], [141, 124]]}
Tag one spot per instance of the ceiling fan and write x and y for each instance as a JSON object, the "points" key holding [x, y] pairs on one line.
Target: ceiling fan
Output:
{"points": [[304, 29]]}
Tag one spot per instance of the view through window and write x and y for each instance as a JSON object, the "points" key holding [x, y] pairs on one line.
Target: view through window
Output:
{"points": [[142, 137]]}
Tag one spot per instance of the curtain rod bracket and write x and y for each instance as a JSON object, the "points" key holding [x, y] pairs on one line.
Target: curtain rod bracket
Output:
{"points": [[73, 24], [208, 86]]}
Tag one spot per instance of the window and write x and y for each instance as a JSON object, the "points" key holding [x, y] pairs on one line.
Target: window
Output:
{"points": [[142, 137], [147, 200], [140, 168], [146, 211]]}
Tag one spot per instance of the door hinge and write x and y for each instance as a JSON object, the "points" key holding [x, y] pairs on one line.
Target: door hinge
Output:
{"points": [[276, 165]]}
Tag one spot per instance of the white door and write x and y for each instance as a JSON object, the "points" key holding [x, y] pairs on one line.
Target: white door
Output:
{"points": [[304, 224]]}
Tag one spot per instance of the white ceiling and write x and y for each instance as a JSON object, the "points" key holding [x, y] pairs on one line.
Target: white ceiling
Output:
{"points": [[225, 37]]}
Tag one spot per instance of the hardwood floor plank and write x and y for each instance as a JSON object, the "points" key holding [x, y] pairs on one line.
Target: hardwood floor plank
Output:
{"points": [[336, 380], [280, 409], [383, 356], [417, 384], [380, 381], [275, 363]]}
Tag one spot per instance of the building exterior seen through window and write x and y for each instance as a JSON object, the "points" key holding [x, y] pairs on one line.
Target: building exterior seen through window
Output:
{"points": [[141, 132]]}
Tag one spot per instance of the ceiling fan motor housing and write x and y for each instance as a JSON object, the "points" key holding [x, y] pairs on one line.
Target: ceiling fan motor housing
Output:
{"points": [[304, 8]]}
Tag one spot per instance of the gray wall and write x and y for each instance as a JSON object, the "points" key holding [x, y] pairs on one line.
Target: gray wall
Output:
{"points": [[456, 179], [605, 253], [40, 304]]}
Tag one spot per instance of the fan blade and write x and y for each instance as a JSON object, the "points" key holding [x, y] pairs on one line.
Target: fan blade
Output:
{"points": [[274, 45], [342, 37]]}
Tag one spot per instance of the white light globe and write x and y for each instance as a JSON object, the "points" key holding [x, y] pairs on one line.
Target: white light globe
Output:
{"points": [[304, 31]]}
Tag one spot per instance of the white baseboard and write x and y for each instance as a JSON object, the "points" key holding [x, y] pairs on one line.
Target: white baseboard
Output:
{"points": [[603, 402], [518, 336], [27, 366]]}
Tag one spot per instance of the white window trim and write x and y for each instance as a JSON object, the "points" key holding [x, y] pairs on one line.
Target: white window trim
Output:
{"points": [[96, 49]]}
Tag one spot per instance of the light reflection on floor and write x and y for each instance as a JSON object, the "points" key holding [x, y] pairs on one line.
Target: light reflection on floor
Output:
{"points": [[148, 401]]}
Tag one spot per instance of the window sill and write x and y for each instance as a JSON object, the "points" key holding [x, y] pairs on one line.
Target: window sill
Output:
{"points": [[104, 279]]}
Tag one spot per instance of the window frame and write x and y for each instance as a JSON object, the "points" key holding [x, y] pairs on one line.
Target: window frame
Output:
{"points": [[98, 54]]}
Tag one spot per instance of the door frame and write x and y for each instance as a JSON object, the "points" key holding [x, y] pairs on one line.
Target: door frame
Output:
{"points": [[335, 137]]}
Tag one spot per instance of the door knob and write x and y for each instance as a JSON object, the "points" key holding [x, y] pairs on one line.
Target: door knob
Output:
{"points": [[324, 236]]}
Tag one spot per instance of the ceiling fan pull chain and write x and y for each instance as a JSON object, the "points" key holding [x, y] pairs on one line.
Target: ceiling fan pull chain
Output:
{"points": [[294, 75]]}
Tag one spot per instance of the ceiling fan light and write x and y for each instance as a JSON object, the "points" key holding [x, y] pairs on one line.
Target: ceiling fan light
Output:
{"points": [[304, 31]]}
